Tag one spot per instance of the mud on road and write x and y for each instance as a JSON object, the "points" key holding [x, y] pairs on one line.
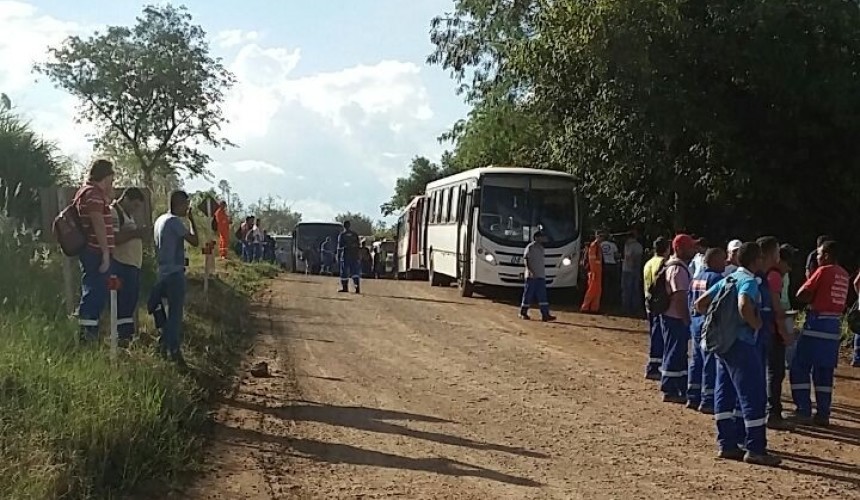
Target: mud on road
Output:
{"points": [[411, 392]]}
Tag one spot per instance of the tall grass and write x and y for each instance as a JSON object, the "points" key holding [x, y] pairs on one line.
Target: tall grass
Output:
{"points": [[73, 423]]}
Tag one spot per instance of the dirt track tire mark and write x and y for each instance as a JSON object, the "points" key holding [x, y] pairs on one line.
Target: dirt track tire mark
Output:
{"points": [[413, 392]]}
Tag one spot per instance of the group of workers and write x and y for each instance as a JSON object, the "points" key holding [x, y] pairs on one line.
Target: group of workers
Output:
{"points": [[733, 306]]}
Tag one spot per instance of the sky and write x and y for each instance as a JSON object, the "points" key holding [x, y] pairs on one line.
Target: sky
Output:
{"points": [[333, 98]]}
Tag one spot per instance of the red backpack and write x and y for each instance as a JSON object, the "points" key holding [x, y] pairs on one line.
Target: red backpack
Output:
{"points": [[68, 230]]}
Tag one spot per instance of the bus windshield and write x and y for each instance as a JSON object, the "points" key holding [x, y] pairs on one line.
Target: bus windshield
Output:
{"points": [[514, 206]]}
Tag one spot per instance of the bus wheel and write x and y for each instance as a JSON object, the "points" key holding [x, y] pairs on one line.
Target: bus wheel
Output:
{"points": [[466, 288]]}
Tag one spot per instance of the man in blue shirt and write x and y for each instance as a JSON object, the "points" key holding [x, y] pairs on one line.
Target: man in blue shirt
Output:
{"points": [[348, 254], [170, 238], [740, 376], [703, 368]]}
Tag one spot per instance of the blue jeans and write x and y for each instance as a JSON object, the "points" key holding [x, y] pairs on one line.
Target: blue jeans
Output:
{"points": [[127, 298], [94, 293], [174, 292], [741, 384], [535, 291], [631, 291], [857, 348]]}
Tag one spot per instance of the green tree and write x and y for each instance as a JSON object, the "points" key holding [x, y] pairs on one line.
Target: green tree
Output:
{"points": [[27, 163], [384, 231], [421, 172], [361, 224], [152, 88], [275, 215]]}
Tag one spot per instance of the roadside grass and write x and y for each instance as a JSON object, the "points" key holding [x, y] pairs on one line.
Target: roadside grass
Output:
{"points": [[74, 423]]}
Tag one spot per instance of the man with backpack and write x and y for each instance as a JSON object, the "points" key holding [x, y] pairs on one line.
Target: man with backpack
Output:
{"points": [[826, 291], [655, 325], [92, 203], [732, 311], [673, 280], [703, 367]]}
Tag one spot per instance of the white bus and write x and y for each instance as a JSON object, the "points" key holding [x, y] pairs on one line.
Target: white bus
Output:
{"points": [[411, 235], [479, 222]]}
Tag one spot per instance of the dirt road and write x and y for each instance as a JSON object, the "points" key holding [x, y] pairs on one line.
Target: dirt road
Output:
{"points": [[412, 392]]}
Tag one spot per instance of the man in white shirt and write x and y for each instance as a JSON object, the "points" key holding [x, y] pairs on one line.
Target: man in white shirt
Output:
{"points": [[611, 272], [733, 252], [631, 273], [697, 265]]}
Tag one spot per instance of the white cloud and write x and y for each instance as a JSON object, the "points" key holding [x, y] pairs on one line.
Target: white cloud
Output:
{"points": [[25, 35], [314, 210], [231, 38], [257, 166]]}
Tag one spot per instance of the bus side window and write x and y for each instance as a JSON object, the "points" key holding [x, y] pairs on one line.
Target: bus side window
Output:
{"points": [[454, 205]]}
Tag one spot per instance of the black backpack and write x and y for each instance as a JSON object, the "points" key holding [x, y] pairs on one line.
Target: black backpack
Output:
{"points": [[658, 296]]}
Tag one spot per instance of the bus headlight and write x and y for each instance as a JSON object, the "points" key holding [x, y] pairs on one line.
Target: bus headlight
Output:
{"points": [[566, 261], [490, 258]]}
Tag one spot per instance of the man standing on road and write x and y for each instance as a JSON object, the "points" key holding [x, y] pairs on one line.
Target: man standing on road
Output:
{"points": [[535, 289], [655, 324], [591, 303], [611, 275], [222, 223], [740, 377], [128, 259], [170, 238], [631, 272], [676, 321], [326, 256], [348, 256], [733, 252], [703, 367], [826, 292]]}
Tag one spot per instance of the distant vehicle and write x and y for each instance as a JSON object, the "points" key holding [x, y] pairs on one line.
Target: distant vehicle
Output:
{"points": [[284, 251], [478, 222], [383, 258], [411, 253], [307, 238]]}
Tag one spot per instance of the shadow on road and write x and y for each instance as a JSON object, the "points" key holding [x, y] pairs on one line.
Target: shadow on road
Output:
{"points": [[334, 453], [837, 469], [422, 299], [836, 433], [374, 420]]}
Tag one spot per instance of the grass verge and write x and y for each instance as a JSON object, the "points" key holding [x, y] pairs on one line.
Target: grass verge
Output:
{"points": [[73, 423]]}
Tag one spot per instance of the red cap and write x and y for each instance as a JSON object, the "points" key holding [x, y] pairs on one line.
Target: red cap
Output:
{"points": [[683, 241]]}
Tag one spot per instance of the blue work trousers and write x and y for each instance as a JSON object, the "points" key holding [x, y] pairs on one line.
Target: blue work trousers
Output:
{"points": [[816, 356], [676, 335], [350, 268], [94, 293], [739, 399], [655, 347], [703, 369], [631, 292], [857, 348], [126, 298], [174, 294], [535, 291]]}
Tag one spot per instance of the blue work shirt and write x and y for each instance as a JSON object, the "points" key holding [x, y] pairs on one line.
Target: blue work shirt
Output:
{"points": [[347, 245], [702, 282], [767, 313], [746, 285], [169, 233]]}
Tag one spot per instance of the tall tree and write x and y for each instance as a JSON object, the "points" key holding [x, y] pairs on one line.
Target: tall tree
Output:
{"points": [[360, 223], [152, 88]]}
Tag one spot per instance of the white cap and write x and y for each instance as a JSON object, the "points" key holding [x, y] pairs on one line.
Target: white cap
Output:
{"points": [[734, 245]]}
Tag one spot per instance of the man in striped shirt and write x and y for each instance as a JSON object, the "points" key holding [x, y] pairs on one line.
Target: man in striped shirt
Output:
{"points": [[92, 203]]}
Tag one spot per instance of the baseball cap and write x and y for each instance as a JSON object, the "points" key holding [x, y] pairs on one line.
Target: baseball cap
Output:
{"points": [[734, 245], [683, 241]]}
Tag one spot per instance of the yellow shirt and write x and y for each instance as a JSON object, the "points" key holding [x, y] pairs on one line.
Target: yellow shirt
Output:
{"points": [[649, 274], [129, 253]]}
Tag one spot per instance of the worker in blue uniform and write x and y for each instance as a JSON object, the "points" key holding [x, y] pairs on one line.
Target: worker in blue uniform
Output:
{"points": [[348, 245], [326, 256], [703, 367], [740, 376]]}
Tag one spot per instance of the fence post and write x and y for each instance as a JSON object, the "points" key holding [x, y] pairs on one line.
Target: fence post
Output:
{"points": [[113, 285]]}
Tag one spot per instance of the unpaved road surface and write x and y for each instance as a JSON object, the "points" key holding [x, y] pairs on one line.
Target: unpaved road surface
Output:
{"points": [[412, 392]]}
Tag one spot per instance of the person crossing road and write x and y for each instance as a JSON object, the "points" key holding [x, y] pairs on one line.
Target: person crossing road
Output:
{"points": [[348, 255]]}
